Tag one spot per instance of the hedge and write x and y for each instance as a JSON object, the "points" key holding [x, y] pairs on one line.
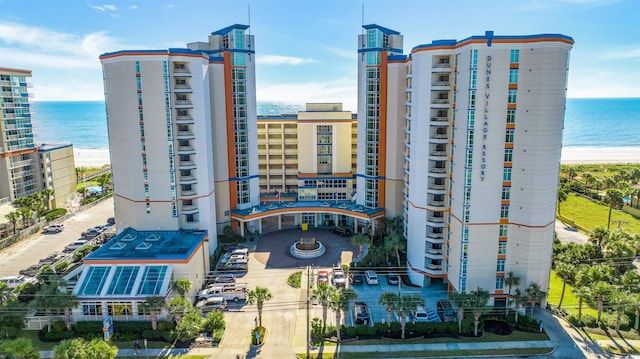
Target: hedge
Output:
{"points": [[55, 213]]}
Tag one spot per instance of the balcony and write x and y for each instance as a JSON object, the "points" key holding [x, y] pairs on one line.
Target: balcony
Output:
{"points": [[184, 165], [184, 120], [438, 172], [186, 150], [439, 121], [436, 204], [183, 70], [189, 209], [434, 253], [437, 189], [434, 267], [188, 179], [21, 163], [183, 103], [438, 154], [185, 135], [436, 236], [440, 138], [441, 84], [9, 105], [7, 94], [22, 184], [188, 192], [437, 222]]}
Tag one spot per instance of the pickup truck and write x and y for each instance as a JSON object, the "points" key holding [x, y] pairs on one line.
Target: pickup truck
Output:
{"points": [[54, 228], [230, 293]]}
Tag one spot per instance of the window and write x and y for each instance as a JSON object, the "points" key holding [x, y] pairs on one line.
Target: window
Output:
{"points": [[473, 61], [508, 154], [508, 138], [504, 211], [469, 138], [473, 76], [515, 56], [463, 268], [499, 282], [465, 233], [92, 308], [463, 284], [467, 177], [466, 214], [465, 250], [503, 230], [512, 95], [513, 76], [472, 98], [471, 119], [373, 58], [467, 195], [506, 193], [500, 265], [511, 116], [502, 247], [469, 158], [506, 174]]}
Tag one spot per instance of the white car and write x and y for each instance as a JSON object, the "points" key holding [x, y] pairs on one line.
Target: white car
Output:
{"points": [[371, 277], [54, 228], [212, 303], [15, 281]]}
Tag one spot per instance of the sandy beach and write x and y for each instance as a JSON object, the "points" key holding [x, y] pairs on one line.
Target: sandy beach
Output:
{"points": [[578, 155], [91, 157]]}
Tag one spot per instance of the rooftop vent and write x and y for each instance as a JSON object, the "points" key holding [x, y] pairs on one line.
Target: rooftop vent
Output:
{"points": [[153, 237], [143, 246], [118, 246], [128, 237]]}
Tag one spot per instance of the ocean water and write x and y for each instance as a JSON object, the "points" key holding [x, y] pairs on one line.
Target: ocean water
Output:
{"points": [[588, 122]]}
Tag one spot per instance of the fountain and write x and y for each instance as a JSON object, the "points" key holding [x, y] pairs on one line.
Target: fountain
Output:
{"points": [[307, 248]]}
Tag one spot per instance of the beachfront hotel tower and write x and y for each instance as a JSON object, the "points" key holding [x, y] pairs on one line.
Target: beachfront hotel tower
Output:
{"points": [[26, 167], [180, 123], [481, 120]]}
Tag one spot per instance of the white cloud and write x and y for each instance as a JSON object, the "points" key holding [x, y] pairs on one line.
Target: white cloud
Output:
{"points": [[346, 53], [545, 4], [619, 54], [104, 8], [341, 90], [133, 7], [596, 83], [263, 59]]}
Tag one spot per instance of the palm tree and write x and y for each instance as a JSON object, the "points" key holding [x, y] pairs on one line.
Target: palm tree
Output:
{"points": [[13, 217], [80, 348], [620, 300], [535, 294], [83, 192], [258, 296], [599, 237], [478, 300], [461, 301], [588, 177], [103, 180], [634, 301], [408, 303], [47, 195], [67, 301], [389, 300], [582, 293], [154, 304], [520, 299], [374, 250], [360, 240], [566, 272], [80, 172], [613, 198], [323, 294], [600, 292], [182, 286], [47, 299], [6, 293], [19, 348], [396, 243], [25, 215], [178, 307], [340, 303], [511, 280], [571, 173], [562, 196]]}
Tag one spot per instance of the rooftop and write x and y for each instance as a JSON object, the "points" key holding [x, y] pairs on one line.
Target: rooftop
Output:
{"points": [[156, 246]]}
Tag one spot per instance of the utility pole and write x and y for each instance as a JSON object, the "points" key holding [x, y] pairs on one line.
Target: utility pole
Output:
{"points": [[308, 312]]}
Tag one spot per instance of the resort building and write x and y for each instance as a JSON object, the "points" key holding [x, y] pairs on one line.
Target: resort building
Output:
{"points": [[25, 167], [482, 120], [461, 139]]}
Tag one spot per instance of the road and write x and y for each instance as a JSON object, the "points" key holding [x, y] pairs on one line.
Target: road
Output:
{"points": [[568, 234], [30, 250]]}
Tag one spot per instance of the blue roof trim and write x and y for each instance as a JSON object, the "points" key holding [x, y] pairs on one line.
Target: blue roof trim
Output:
{"points": [[370, 49], [397, 57], [489, 37], [370, 177], [44, 147], [243, 178], [124, 52], [228, 29], [170, 51], [181, 50], [246, 51], [216, 59], [381, 28]]}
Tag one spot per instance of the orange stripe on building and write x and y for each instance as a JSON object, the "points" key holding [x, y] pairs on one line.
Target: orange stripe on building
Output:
{"points": [[511, 125], [382, 160], [228, 92], [511, 106], [514, 65], [508, 145], [19, 152], [502, 221], [513, 86]]}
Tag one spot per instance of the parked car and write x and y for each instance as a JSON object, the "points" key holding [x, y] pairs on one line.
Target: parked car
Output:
{"points": [[111, 221], [341, 231], [241, 251], [338, 278], [371, 277], [212, 303], [54, 228], [361, 313], [420, 315], [92, 232], [225, 278], [14, 281], [356, 279], [323, 276], [30, 271], [393, 279], [75, 245]]}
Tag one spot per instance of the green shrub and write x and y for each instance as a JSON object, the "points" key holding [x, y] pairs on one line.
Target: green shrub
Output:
{"points": [[351, 331], [294, 279], [133, 328], [55, 213], [632, 211], [152, 334], [589, 321], [89, 327], [61, 267], [257, 335], [165, 325], [58, 336]]}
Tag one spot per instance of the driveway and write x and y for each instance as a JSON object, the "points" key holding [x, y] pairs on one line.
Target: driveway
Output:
{"points": [[568, 234]]}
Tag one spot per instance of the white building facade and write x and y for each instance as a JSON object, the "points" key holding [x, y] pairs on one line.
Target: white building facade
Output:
{"points": [[482, 120]]}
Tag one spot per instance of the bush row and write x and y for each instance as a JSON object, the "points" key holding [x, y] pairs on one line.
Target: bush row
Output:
{"points": [[121, 331], [55, 213]]}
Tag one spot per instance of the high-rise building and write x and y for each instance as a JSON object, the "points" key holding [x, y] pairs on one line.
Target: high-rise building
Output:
{"points": [[25, 167], [482, 120]]}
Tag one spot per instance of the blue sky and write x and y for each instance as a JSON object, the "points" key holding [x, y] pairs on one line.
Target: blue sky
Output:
{"points": [[306, 49]]}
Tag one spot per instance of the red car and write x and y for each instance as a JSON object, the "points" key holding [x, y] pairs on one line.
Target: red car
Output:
{"points": [[323, 276]]}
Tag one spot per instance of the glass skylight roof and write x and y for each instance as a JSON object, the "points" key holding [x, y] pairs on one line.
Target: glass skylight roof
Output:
{"points": [[123, 280], [130, 280], [94, 280], [152, 280]]}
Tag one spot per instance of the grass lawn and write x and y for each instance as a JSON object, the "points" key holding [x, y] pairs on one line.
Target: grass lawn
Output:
{"points": [[590, 214], [570, 302], [516, 336]]}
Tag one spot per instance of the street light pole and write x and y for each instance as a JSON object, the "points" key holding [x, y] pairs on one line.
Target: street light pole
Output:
{"points": [[308, 313]]}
